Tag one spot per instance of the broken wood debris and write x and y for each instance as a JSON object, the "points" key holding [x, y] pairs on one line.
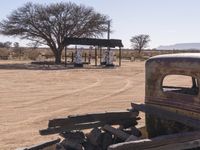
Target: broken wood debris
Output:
{"points": [[89, 121], [104, 129], [107, 117], [95, 136], [116, 132]]}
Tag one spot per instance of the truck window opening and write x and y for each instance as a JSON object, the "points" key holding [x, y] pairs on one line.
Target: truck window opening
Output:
{"points": [[180, 84]]}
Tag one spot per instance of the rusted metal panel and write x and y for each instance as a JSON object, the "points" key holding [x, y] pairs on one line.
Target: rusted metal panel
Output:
{"points": [[174, 64]]}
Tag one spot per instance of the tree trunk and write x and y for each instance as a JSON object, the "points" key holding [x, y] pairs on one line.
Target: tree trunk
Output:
{"points": [[139, 51], [58, 57]]}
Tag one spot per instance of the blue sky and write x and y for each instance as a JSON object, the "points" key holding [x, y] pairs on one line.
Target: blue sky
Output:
{"points": [[166, 21]]}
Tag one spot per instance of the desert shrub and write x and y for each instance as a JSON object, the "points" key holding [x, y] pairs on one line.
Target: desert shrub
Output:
{"points": [[4, 52], [33, 54], [18, 52]]}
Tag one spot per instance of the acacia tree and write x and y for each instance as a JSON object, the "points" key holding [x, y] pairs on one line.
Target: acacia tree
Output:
{"points": [[50, 24], [140, 42]]}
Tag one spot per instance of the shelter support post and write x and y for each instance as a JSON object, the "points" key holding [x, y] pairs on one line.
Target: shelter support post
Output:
{"points": [[95, 56], [65, 56], [85, 57], [120, 56], [100, 54], [72, 59]]}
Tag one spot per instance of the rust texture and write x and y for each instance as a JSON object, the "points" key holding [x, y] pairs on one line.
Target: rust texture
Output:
{"points": [[174, 64]]}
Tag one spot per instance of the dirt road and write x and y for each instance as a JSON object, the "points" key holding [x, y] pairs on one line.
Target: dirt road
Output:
{"points": [[29, 98]]}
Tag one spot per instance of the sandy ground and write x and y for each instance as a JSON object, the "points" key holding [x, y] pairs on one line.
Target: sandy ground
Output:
{"points": [[29, 98]]}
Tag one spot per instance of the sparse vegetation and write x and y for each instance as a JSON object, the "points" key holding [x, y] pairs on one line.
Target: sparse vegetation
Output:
{"points": [[47, 55], [50, 24], [140, 42]]}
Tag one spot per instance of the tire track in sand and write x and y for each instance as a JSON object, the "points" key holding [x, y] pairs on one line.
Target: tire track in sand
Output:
{"points": [[97, 83], [60, 110], [36, 119]]}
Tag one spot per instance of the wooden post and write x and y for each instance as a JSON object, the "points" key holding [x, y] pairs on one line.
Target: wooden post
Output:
{"points": [[65, 56], [89, 54], [89, 58], [95, 56], [120, 56], [85, 57], [72, 57], [108, 48], [100, 54]]}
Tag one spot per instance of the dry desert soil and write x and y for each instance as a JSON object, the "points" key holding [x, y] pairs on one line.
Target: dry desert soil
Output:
{"points": [[29, 98]]}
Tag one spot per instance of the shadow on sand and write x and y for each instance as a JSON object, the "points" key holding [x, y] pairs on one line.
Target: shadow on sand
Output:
{"points": [[49, 66]]}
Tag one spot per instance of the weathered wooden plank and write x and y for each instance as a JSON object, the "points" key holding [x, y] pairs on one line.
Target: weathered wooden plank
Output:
{"points": [[178, 146], [103, 117], [158, 141], [164, 114], [89, 121], [95, 137], [118, 133], [77, 136], [82, 126], [71, 144], [55, 130], [41, 146], [107, 140], [132, 138]]}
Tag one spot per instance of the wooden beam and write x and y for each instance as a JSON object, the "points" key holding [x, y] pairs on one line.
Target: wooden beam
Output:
{"points": [[103, 117], [88, 121], [168, 115], [179, 139], [82, 126], [44, 145], [60, 129], [116, 132]]}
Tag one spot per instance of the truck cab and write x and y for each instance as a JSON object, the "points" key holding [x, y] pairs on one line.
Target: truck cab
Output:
{"points": [[181, 99]]}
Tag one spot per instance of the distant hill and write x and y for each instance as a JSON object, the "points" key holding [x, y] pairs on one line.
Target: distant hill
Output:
{"points": [[181, 46]]}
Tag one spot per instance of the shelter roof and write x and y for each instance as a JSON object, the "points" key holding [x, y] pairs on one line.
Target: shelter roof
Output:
{"points": [[94, 42]]}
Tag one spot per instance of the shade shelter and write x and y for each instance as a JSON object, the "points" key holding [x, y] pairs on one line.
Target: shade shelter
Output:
{"points": [[94, 42]]}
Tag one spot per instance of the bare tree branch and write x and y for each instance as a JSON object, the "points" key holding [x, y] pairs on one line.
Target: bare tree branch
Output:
{"points": [[50, 24], [140, 42]]}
